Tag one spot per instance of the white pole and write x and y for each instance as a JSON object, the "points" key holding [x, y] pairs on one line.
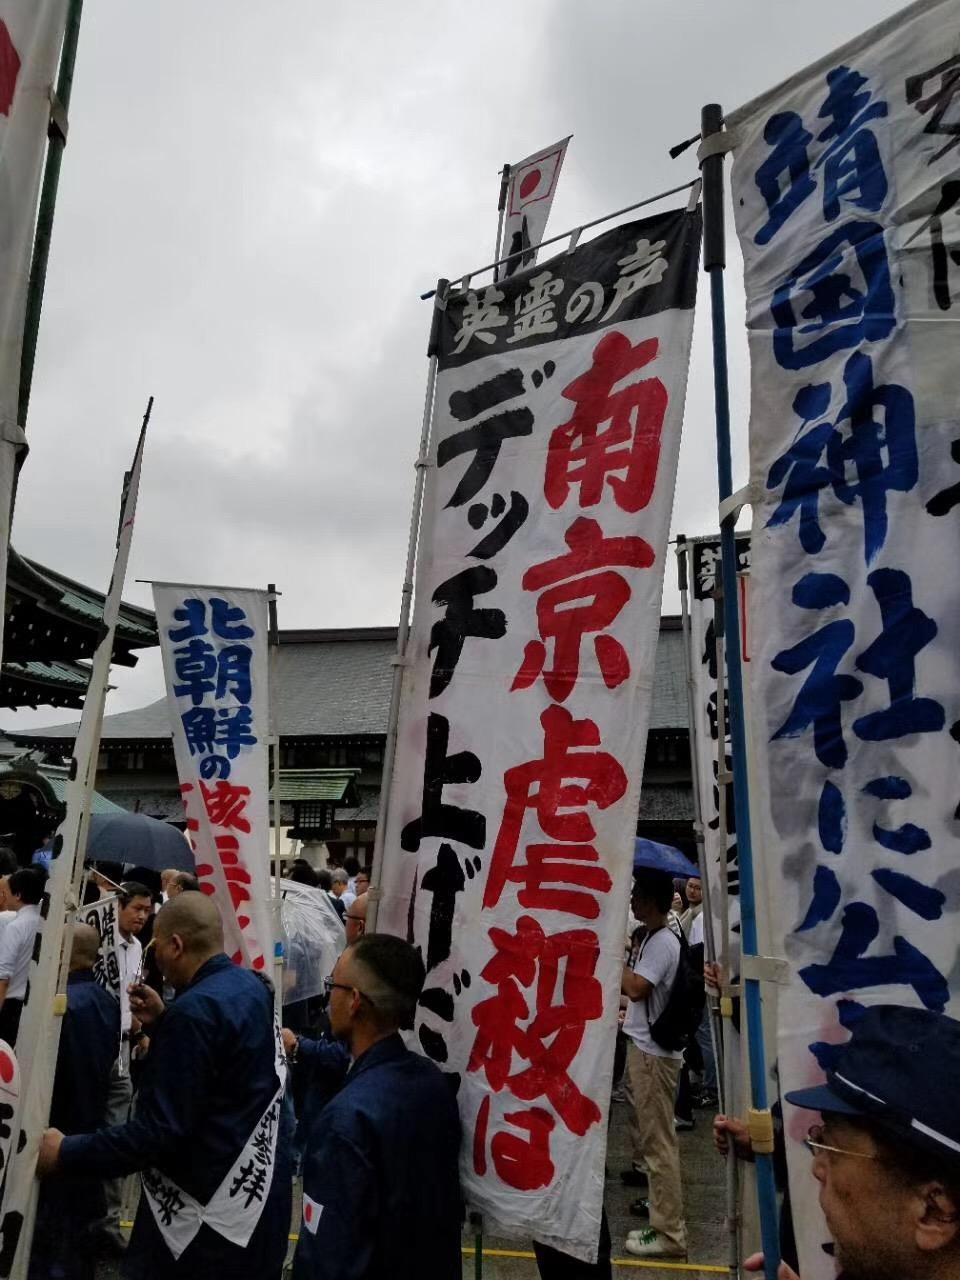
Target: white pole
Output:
{"points": [[406, 603], [39, 1038], [501, 212]]}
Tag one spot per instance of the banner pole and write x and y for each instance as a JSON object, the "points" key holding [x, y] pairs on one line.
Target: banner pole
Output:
{"points": [[274, 684], [731, 1066], [714, 262], [501, 210], [39, 1037], [406, 604], [48, 201]]}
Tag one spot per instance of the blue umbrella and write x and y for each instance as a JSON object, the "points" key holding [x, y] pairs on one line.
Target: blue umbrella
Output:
{"points": [[662, 857]]}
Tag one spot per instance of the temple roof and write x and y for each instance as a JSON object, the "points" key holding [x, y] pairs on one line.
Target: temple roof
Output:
{"points": [[336, 683]]}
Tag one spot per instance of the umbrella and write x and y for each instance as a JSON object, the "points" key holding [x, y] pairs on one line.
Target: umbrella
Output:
{"points": [[137, 839], [662, 857], [315, 937]]}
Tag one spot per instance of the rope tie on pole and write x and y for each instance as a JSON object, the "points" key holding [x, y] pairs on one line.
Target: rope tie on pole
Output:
{"points": [[760, 1127]]}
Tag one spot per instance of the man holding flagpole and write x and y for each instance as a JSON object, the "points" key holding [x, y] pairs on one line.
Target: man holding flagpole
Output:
{"points": [[206, 1136]]}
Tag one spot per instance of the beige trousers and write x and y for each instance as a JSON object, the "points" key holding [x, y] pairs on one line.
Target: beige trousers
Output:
{"points": [[653, 1083]]}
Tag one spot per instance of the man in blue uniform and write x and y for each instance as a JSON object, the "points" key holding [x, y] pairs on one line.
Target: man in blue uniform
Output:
{"points": [[89, 1044], [381, 1191], [205, 1134]]}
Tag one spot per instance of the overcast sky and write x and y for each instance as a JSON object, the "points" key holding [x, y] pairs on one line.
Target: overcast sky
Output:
{"points": [[254, 196]]}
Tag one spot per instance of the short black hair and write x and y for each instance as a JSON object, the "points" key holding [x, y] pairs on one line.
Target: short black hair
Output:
{"points": [[351, 864], [656, 886], [396, 977], [187, 882], [324, 880], [131, 889], [27, 885], [914, 1164], [301, 872]]}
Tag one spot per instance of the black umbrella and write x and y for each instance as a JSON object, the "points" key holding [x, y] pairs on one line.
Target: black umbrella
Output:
{"points": [[137, 839]]}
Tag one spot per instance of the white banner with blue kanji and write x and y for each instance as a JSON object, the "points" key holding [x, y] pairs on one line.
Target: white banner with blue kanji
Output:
{"points": [[214, 646], [846, 187], [527, 691]]}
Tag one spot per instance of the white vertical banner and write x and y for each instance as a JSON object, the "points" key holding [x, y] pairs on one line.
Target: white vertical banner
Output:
{"points": [[846, 186], [38, 1038], [31, 33], [526, 698], [530, 192], [214, 646]]}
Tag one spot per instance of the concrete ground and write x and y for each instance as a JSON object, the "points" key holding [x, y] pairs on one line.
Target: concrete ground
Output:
{"points": [[703, 1185]]}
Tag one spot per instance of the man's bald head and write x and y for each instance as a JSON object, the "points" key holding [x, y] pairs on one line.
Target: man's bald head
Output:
{"points": [[194, 919], [86, 945]]}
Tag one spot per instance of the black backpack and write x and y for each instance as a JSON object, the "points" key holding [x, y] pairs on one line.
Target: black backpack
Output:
{"points": [[675, 1025]]}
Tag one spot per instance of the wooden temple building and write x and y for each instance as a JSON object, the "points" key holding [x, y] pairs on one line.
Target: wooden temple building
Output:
{"points": [[333, 697]]}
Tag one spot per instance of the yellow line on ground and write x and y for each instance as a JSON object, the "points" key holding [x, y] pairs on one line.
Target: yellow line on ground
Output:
{"points": [[617, 1262]]}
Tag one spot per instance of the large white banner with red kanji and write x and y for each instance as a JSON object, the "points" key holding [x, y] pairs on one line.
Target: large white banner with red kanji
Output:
{"points": [[526, 697], [214, 646], [846, 187]]}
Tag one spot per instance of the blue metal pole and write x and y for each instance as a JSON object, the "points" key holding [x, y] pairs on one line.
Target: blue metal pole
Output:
{"points": [[714, 262]]}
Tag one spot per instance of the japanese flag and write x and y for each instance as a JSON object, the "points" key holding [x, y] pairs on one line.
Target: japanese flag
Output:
{"points": [[311, 1214], [529, 198]]}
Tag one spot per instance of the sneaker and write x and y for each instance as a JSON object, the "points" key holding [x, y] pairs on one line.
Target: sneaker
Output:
{"points": [[633, 1177], [651, 1244], [640, 1208], [683, 1126], [706, 1100]]}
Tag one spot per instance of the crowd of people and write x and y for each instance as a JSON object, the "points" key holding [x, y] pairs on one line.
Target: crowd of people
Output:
{"points": [[188, 1081]]}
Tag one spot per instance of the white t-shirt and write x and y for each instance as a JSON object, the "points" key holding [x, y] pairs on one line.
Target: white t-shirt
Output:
{"points": [[129, 954], [696, 931], [658, 962], [16, 950]]}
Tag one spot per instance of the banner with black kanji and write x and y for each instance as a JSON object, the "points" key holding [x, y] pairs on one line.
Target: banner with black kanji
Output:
{"points": [[513, 805]]}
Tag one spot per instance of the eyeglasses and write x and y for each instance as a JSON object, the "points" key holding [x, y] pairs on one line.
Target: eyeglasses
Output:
{"points": [[329, 985], [814, 1143], [359, 919]]}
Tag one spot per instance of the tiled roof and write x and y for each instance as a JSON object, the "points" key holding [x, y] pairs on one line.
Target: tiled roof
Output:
{"points": [[337, 684], [318, 784]]}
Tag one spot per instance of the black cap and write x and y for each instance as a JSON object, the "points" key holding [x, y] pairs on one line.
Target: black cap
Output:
{"points": [[901, 1070]]}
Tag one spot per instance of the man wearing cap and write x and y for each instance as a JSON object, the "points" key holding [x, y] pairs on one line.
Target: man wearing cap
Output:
{"points": [[887, 1150]]}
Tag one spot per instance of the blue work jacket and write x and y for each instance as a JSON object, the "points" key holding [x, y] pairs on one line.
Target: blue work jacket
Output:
{"points": [[380, 1175], [209, 1077]]}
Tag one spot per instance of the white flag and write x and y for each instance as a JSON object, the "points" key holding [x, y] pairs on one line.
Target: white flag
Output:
{"points": [[31, 32], [529, 199]]}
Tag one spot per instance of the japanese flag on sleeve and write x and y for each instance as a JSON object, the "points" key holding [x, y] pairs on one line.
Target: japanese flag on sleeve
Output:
{"points": [[513, 806]]}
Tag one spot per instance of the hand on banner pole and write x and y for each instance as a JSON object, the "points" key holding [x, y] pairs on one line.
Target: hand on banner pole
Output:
{"points": [[145, 1004], [755, 1263], [48, 1156], [727, 1129]]}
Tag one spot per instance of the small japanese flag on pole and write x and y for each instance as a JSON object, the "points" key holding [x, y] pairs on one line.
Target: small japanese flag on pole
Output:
{"points": [[530, 188], [311, 1214]]}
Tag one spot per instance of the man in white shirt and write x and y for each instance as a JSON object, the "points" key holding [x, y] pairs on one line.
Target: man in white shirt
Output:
{"points": [[654, 1070], [24, 889], [134, 908]]}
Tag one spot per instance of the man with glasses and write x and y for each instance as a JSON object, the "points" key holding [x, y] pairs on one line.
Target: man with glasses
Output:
{"points": [[381, 1192], [887, 1151]]}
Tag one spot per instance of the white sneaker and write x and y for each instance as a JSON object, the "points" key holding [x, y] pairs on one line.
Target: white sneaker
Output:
{"points": [[651, 1244]]}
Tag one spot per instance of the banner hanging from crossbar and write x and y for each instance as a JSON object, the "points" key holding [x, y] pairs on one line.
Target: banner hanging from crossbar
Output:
{"points": [[526, 697]]}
